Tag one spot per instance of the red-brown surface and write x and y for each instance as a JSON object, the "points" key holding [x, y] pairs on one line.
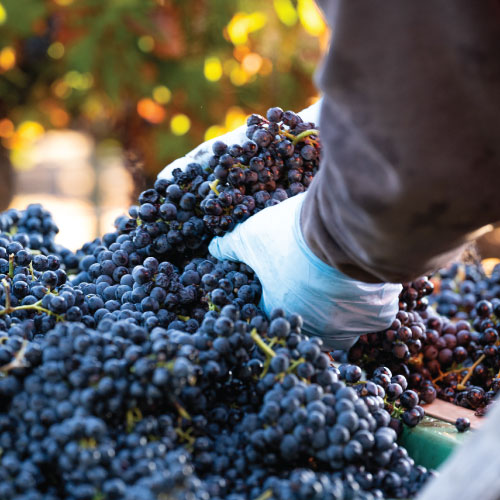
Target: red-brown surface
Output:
{"points": [[450, 412]]}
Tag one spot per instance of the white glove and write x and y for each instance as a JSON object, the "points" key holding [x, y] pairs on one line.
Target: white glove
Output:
{"points": [[202, 153], [333, 306]]}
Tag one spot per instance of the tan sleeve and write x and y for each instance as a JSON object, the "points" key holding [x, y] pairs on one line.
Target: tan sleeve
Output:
{"points": [[410, 128]]}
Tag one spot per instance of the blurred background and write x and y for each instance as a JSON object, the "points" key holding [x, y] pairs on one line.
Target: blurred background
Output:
{"points": [[97, 96]]}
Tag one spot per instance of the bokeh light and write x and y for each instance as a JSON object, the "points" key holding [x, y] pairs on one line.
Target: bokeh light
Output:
{"points": [[310, 17], [6, 128], [3, 14], [146, 43], [212, 69], [151, 111], [180, 124], [7, 59], [157, 78], [162, 94], [56, 50], [241, 25], [286, 12]]}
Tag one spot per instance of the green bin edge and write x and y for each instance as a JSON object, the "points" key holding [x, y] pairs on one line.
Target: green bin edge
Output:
{"points": [[432, 441]]}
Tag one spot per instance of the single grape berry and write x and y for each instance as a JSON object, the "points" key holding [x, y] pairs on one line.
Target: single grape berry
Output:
{"points": [[409, 399], [353, 374], [274, 114], [462, 424], [484, 308]]}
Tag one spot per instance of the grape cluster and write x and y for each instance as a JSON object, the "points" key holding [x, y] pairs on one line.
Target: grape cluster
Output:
{"points": [[401, 402], [278, 161], [34, 228], [35, 294], [103, 412], [141, 367], [176, 218], [117, 284], [461, 286], [454, 357], [167, 220], [75, 419], [414, 295]]}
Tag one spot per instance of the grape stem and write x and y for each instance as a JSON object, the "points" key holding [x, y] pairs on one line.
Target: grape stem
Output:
{"points": [[461, 386], [443, 374], [18, 360], [182, 411], [240, 165], [185, 436], [211, 305], [87, 443], [273, 342], [266, 495], [303, 135], [294, 365], [213, 186], [36, 307], [30, 267], [397, 411], [29, 307], [417, 360], [11, 265], [263, 346], [133, 416]]}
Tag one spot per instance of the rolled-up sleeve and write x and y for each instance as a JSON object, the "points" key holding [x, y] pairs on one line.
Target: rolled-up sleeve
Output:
{"points": [[410, 130]]}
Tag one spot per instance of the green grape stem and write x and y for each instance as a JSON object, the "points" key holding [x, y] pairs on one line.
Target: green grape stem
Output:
{"points": [[266, 495], [182, 411], [133, 416], [11, 265], [185, 436], [303, 135], [294, 365], [30, 267], [18, 360], [28, 307], [470, 370], [262, 345], [213, 186], [267, 362], [87, 443]]}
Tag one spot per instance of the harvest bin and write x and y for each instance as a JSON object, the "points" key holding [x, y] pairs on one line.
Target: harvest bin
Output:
{"points": [[432, 441]]}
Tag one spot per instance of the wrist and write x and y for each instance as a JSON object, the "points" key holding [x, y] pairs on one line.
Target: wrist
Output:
{"points": [[320, 242]]}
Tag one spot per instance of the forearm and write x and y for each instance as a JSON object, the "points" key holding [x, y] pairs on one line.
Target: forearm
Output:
{"points": [[410, 134]]}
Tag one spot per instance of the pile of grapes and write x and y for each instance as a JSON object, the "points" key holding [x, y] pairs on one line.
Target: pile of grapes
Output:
{"points": [[141, 368], [449, 349]]}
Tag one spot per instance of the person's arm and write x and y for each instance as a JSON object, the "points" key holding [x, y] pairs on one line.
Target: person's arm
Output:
{"points": [[410, 132]]}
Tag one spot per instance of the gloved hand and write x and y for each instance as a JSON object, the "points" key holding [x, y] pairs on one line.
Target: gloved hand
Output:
{"points": [[333, 306], [203, 152]]}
